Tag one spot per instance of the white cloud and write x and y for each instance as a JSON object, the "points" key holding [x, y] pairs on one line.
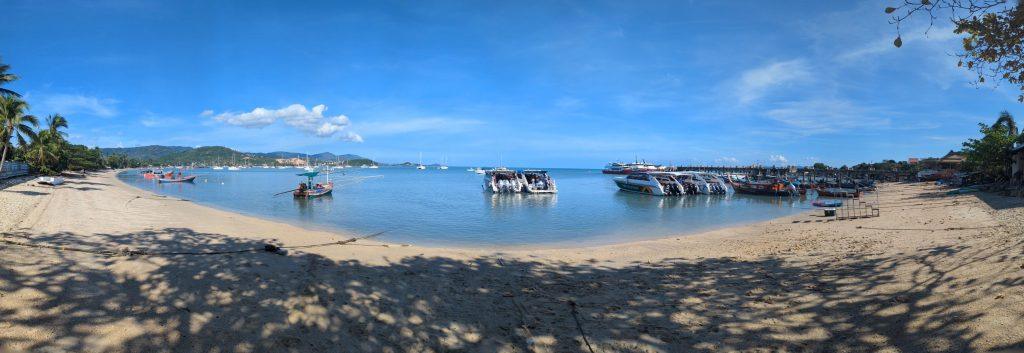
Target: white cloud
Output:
{"points": [[755, 83], [817, 116], [778, 158], [434, 124], [312, 122], [910, 38], [76, 104], [727, 160]]}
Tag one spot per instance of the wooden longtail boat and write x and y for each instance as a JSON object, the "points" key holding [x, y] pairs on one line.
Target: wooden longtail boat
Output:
{"points": [[764, 188], [188, 179], [838, 192], [309, 189]]}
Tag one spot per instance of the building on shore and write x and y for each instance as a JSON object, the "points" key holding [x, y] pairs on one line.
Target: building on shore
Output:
{"points": [[298, 162]]}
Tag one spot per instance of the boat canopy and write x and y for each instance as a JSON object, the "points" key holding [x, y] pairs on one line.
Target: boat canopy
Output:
{"points": [[309, 174]]}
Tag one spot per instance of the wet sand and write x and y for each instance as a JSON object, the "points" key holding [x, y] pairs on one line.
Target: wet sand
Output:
{"points": [[97, 266]]}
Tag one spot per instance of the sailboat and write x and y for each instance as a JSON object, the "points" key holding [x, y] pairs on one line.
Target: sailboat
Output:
{"points": [[309, 168], [444, 165], [421, 166]]}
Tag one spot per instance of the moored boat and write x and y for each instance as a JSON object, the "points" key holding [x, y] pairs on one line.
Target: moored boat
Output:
{"points": [[768, 188], [504, 180], [309, 189], [657, 184], [180, 179], [838, 192]]}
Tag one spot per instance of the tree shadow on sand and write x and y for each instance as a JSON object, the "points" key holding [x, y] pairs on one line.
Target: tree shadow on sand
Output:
{"points": [[264, 302]]}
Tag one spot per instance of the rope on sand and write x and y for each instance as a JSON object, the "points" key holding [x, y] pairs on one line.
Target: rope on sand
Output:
{"points": [[929, 229], [280, 250], [576, 317]]}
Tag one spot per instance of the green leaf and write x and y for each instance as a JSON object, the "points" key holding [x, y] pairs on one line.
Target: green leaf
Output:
{"points": [[890, 9], [898, 42]]}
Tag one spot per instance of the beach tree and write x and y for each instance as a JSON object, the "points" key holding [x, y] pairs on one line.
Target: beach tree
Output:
{"points": [[992, 31], [14, 124], [990, 155], [5, 78], [43, 153]]}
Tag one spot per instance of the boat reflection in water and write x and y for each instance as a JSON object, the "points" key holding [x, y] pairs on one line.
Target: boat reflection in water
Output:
{"points": [[309, 207], [510, 201]]}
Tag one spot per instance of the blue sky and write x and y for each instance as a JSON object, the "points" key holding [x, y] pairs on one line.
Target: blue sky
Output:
{"points": [[545, 83]]}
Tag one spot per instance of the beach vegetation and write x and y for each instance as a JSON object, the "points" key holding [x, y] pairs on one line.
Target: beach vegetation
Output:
{"points": [[990, 154], [15, 125], [5, 78], [991, 34]]}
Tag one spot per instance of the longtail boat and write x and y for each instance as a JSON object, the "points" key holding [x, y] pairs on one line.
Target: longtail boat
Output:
{"points": [[309, 189], [838, 192], [188, 179], [774, 188]]}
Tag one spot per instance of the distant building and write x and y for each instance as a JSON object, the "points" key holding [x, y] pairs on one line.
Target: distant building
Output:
{"points": [[913, 161], [952, 160], [1017, 169], [298, 162]]}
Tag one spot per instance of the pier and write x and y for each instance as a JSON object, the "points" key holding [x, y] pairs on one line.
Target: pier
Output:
{"points": [[804, 173]]}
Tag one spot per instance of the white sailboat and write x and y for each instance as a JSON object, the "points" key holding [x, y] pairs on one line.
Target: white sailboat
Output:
{"points": [[421, 166], [444, 165]]}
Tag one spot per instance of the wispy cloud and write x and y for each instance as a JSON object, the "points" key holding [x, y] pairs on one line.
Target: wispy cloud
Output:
{"points": [[153, 120], [431, 124], [77, 104], [755, 83], [312, 122], [883, 45], [817, 116]]}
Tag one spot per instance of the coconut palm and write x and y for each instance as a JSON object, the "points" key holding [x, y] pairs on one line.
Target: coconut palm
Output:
{"points": [[14, 123], [1005, 119], [5, 78], [44, 151], [53, 125]]}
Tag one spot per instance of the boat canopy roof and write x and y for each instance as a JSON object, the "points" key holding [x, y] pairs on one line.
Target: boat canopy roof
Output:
{"points": [[309, 174]]}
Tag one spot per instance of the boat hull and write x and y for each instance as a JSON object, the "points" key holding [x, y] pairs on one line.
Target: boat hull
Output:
{"points": [[187, 179]]}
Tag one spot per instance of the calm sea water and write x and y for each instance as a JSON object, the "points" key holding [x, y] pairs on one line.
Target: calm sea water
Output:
{"points": [[448, 207]]}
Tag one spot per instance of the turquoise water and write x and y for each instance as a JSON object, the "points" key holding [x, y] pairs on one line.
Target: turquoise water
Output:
{"points": [[448, 207]]}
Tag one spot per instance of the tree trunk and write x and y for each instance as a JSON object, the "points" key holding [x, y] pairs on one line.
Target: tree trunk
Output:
{"points": [[3, 157]]}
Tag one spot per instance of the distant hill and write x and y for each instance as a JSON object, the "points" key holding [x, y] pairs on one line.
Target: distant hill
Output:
{"points": [[219, 155], [323, 156], [145, 152]]}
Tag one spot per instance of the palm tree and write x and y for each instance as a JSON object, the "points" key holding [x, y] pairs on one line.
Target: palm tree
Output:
{"points": [[54, 123], [1005, 119], [14, 123], [44, 151], [5, 78]]}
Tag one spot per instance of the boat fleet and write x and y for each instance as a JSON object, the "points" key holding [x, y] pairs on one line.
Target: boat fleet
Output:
{"points": [[638, 177]]}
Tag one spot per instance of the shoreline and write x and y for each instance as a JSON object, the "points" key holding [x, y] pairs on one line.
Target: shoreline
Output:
{"points": [[923, 277], [586, 242]]}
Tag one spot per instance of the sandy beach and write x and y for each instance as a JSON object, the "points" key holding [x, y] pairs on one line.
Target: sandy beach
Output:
{"points": [[98, 266]]}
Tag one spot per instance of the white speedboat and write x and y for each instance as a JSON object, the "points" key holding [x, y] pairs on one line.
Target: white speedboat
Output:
{"points": [[657, 184], [538, 182], [479, 171], [504, 180], [692, 182], [233, 168], [374, 167], [217, 168]]}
